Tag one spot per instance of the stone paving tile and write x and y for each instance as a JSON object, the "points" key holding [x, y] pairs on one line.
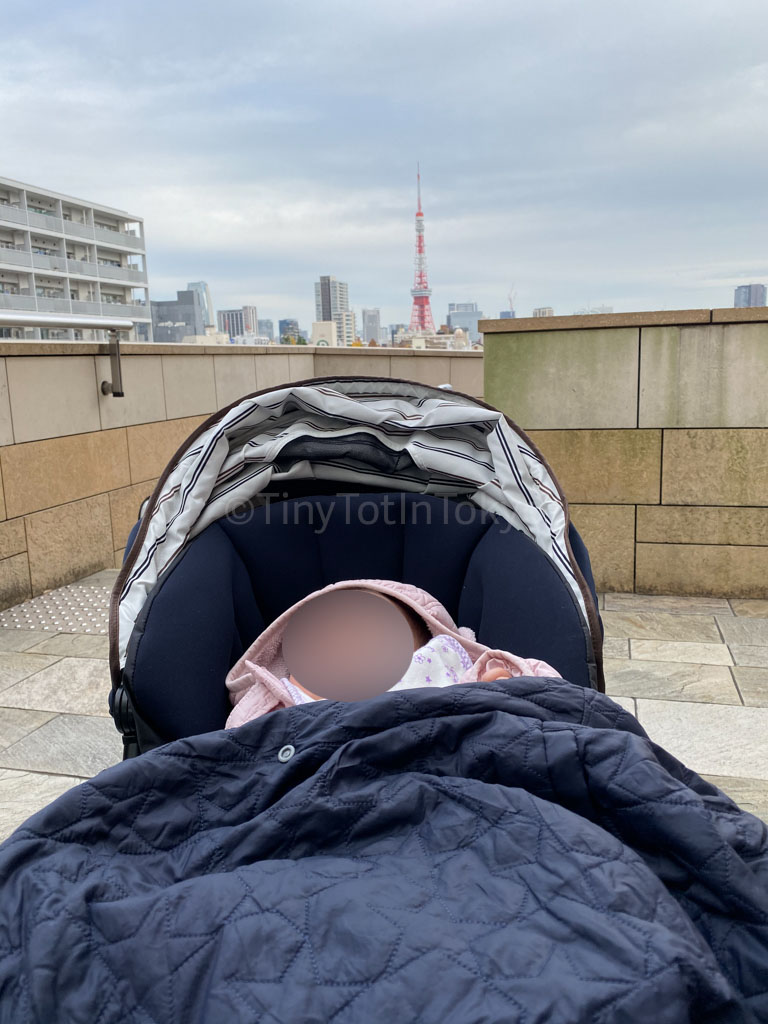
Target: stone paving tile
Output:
{"points": [[19, 639], [75, 645], [753, 683], [690, 653], [751, 608], [628, 703], [614, 647], [712, 739], [740, 630], [666, 680], [664, 603], [14, 667], [15, 724], [750, 794], [755, 657], [22, 794], [67, 745], [661, 626], [75, 686], [105, 577]]}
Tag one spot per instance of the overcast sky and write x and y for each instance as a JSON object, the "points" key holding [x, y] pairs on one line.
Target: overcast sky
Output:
{"points": [[581, 151]]}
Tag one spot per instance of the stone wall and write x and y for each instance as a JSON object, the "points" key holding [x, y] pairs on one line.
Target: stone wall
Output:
{"points": [[656, 426], [75, 465]]}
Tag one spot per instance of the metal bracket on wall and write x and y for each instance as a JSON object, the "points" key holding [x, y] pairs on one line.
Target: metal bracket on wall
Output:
{"points": [[115, 386]]}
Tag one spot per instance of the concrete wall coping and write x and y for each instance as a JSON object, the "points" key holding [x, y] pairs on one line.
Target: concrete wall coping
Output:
{"points": [[658, 318], [92, 348], [737, 316]]}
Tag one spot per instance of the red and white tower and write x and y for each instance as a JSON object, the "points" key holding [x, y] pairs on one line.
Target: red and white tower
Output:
{"points": [[421, 312]]}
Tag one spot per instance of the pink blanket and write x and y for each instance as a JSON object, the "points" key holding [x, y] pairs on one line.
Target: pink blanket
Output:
{"points": [[258, 683]]}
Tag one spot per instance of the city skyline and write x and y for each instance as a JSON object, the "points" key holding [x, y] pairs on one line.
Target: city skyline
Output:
{"points": [[592, 164]]}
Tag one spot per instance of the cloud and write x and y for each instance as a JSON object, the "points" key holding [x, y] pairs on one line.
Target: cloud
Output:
{"points": [[590, 152]]}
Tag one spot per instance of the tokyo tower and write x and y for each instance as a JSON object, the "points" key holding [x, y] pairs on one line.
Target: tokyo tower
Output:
{"points": [[421, 312]]}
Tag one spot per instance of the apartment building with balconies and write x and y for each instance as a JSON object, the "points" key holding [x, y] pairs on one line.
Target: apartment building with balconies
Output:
{"points": [[64, 255]]}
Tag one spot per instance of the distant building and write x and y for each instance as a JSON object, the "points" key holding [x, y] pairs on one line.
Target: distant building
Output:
{"points": [[507, 314], [419, 339], [592, 310], [332, 303], [324, 333], [179, 318], [464, 316], [371, 325], [288, 328], [543, 311], [64, 255], [239, 322], [204, 295], [394, 329], [250, 320], [231, 322], [749, 295], [267, 329]]}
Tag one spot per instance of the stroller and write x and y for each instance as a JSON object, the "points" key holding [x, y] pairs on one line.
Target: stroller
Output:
{"points": [[302, 485]]}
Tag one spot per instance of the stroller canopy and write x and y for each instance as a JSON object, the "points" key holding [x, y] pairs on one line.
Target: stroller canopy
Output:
{"points": [[362, 431]]}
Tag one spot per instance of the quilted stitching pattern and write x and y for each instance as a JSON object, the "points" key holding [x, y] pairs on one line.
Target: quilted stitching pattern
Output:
{"points": [[494, 852]]}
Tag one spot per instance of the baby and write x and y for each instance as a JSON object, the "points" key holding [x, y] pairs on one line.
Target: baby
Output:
{"points": [[359, 638]]}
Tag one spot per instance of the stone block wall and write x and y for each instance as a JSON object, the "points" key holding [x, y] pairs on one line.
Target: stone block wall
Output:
{"points": [[656, 426], [75, 465]]}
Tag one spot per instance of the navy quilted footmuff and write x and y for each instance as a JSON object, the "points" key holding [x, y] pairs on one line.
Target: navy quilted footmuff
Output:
{"points": [[511, 852]]}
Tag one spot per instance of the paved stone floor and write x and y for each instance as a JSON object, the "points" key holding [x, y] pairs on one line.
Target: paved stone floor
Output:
{"points": [[693, 670]]}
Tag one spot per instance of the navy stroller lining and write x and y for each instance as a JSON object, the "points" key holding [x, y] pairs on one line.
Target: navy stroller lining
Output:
{"points": [[244, 571]]}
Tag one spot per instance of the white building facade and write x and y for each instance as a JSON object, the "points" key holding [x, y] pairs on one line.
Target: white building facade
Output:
{"points": [[324, 333], [64, 255], [332, 303]]}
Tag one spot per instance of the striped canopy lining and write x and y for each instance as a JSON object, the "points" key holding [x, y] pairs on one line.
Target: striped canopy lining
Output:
{"points": [[456, 446]]}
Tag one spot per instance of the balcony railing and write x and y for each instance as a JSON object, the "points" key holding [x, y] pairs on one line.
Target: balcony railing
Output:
{"points": [[44, 220], [54, 304], [8, 301], [73, 227], [82, 267], [49, 262], [79, 306], [13, 213], [121, 273], [19, 257], [50, 305], [117, 237], [133, 310]]}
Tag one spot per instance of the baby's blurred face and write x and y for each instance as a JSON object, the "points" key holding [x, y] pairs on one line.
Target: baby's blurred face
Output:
{"points": [[349, 645]]}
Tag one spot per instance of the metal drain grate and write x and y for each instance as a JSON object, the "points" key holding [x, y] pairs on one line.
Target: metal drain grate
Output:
{"points": [[77, 608]]}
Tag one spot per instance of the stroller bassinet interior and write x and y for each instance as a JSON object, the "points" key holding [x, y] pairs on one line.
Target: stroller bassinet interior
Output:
{"points": [[345, 499]]}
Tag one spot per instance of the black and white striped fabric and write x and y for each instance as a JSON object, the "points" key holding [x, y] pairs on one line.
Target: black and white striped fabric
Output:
{"points": [[383, 433]]}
